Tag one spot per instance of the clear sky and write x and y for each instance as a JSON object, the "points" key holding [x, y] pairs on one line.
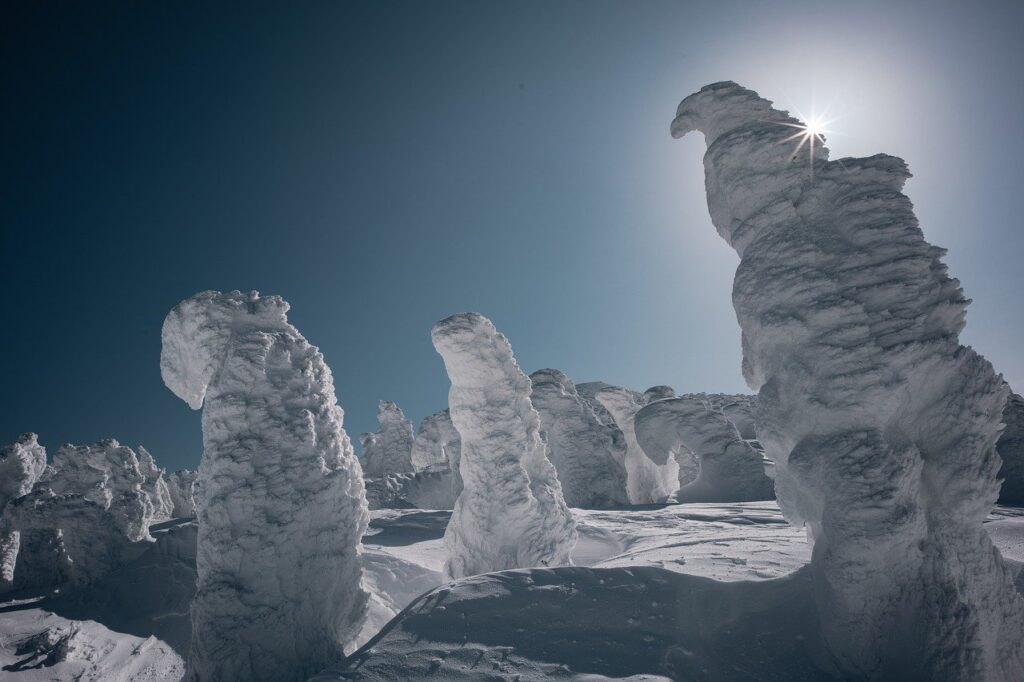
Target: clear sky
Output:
{"points": [[383, 165]]}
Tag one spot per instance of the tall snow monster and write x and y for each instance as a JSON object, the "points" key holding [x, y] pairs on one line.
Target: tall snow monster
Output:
{"points": [[511, 513], [881, 425], [279, 496]]}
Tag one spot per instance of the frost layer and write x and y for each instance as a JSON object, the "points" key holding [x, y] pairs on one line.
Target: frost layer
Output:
{"points": [[279, 496], [389, 449], [881, 425], [647, 482], [582, 449], [727, 468], [511, 513]]}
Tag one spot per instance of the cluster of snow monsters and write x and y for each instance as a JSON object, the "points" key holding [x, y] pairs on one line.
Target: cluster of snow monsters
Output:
{"points": [[881, 426], [74, 521], [511, 512], [279, 498]]}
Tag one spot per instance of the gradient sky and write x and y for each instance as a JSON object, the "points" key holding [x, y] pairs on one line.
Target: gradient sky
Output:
{"points": [[383, 165]]}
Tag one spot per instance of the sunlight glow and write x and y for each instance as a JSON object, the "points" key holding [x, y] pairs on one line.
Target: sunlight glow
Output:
{"points": [[811, 132]]}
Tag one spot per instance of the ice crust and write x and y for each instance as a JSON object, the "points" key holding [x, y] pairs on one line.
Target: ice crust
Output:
{"points": [[881, 426], [279, 496], [647, 481], [725, 468], [389, 449], [511, 512], [583, 450]]}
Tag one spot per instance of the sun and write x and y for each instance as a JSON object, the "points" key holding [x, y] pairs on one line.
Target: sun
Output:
{"points": [[811, 132]]}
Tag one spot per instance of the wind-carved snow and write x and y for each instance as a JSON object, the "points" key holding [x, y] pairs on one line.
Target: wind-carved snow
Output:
{"points": [[181, 486], [881, 425], [389, 449], [511, 512], [727, 468], [1010, 447], [582, 449], [647, 482], [279, 497]]}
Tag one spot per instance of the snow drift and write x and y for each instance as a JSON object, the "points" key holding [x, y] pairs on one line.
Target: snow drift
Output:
{"points": [[511, 512], [279, 497], [882, 427]]}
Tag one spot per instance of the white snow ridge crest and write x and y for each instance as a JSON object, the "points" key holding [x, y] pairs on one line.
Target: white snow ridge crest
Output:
{"points": [[279, 600]]}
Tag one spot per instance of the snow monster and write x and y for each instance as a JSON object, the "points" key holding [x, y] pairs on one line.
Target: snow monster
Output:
{"points": [[279, 495], [881, 425]]}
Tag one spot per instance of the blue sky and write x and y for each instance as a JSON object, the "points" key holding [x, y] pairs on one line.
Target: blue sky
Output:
{"points": [[384, 165]]}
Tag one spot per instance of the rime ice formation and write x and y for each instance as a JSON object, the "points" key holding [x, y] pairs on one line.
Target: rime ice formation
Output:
{"points": [[511, 512], [430, 489], [21, 464], [658, 393], [436, 444], [181, 485], [155, 487], [279, 500], [727, 468], [389, 449], [647, 482], [1010, 447], [882, 427], [742, 412], [582, 449], [107, 474]]}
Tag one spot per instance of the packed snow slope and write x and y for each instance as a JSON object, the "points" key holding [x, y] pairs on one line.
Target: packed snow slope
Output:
{"points": [[881, 426]]}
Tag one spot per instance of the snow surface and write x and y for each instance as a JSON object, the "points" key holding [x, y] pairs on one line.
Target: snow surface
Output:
{"points": [[279, 496], [511, 512], [389, 449], [585, 453], [880, 424]]}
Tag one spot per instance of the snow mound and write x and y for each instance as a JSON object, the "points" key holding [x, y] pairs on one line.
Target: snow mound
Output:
{"points": [[389, 449], [511, 512], [583, 450], [640, 623], [881, 426], [728, 468], [279, 496]]}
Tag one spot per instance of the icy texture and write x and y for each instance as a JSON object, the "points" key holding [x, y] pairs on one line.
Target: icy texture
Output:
{"points": [[882, 427], [181, 485], [1011, 449], [155, 486], [107, 474], [583, 450], [388, 450], [647, 482], [437, 443], [279, 496], [21, 464], [511, 512], [728, 468]]}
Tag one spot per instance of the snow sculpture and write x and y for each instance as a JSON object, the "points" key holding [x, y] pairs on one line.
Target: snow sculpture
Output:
{"points": [[716, 465], [582, 449], [511, 513], [279, 497], [1010, 447], [106, 474], [21, 464], [646, 481], [436, 444], [181, 485], [388, 450], [882, 427], [155, 487]]}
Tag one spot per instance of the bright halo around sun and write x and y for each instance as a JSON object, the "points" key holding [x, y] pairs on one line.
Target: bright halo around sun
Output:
{"points": [[810, 132]]}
